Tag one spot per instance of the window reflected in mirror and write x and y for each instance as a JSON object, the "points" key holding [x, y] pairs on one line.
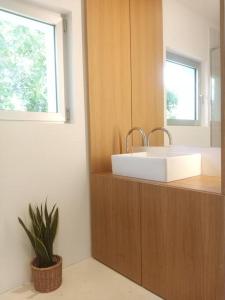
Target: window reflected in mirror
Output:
{"points": [[182, 82], [192, 102]]}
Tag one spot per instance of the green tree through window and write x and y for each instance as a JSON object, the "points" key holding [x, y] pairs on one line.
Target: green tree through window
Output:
{"points": [[23, 68], [172, 102]]}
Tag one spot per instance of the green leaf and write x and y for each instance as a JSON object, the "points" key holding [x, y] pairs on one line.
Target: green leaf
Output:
{"points": [[41, 212], [31, 212], [50, 215], [43, 255], [37, 231], [54, 225], [46, 213], [29, 234], [39, 218], [33, 217]]}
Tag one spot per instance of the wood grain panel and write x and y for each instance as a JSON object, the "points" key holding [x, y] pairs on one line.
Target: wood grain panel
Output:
{"points": [[202, 183], [147, 65], [116, 229], [222, 42], [211, 184], [108, 41], [182, 243]]}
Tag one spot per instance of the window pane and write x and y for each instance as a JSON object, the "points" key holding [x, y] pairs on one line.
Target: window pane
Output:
{"points": [[27, 64], [180, 83]]}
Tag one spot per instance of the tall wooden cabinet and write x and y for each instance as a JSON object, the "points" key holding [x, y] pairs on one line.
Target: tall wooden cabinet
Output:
{"points": [[125, 63], [147, 65], [109, 82]]}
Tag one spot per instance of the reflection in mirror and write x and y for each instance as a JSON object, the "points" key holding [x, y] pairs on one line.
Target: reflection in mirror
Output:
{"points": [[192, 71], [215, 97]]}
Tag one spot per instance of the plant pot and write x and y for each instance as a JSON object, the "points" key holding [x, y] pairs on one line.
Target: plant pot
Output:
{"points": [[47, 279]]}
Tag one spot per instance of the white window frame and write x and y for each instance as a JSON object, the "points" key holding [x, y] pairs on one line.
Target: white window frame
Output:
{"points": [[191, 63], [55, 19]]}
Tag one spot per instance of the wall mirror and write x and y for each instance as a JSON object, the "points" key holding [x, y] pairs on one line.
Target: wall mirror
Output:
{"points": [[191, 33]]}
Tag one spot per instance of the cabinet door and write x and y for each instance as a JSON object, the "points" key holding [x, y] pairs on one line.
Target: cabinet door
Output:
{"points": [[109, 79], [182, 243], [116, 238], [146, 22]]}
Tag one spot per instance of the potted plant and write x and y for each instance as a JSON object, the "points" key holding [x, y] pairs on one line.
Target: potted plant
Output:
{"points": [[46, 267]]}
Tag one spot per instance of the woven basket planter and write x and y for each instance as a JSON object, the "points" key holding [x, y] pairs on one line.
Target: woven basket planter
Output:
{"points": [[47, 279]]}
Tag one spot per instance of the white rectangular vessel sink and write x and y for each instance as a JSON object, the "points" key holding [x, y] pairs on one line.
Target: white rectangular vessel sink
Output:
{"points": [[159, 164]]}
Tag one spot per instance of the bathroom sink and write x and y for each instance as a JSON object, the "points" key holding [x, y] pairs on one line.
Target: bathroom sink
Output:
{"points": [[159, 163]]}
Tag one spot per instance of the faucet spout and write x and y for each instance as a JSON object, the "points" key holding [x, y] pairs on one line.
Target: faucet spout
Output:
{"points": [[160, 129], [143, 135]]}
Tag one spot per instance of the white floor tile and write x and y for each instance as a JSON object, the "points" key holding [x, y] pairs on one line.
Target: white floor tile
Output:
{"points": [[88, 280]]}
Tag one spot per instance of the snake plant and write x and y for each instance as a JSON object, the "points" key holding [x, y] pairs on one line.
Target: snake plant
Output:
{"points": [[42, 233]]}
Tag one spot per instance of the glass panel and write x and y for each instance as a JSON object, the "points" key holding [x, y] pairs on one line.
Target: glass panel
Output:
{"points": [[215, 98], [27, 64], [180, 84]]}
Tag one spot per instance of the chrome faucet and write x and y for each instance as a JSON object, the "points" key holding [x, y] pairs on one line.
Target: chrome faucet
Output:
{"points": [[160, 129], [143, 134]]}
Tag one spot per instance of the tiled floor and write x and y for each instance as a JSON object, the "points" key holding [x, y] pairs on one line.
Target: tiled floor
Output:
{"points": [[88, 280]]}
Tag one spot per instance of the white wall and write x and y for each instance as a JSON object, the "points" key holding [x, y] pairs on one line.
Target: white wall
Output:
{"points": [[190, 135], [186, 32], [37, 160]]}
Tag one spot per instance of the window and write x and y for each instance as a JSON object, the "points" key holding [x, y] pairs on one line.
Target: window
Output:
{"points": [[31, 63], [182, 81]]}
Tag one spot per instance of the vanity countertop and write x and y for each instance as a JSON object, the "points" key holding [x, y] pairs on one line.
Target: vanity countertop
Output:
{"points": [[202, 183], [211, 184]]}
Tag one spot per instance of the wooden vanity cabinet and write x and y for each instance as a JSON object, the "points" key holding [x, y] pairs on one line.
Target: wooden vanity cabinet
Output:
{"points": [[182, 243], [116, 225], [168, 239]]}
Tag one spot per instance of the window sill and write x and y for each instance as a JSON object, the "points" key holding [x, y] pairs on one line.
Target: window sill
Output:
{"points": [[32, 116], [183, 123]]}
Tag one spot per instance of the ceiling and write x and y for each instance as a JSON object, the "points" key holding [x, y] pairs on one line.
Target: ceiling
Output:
{"points": [[208, 8]]}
